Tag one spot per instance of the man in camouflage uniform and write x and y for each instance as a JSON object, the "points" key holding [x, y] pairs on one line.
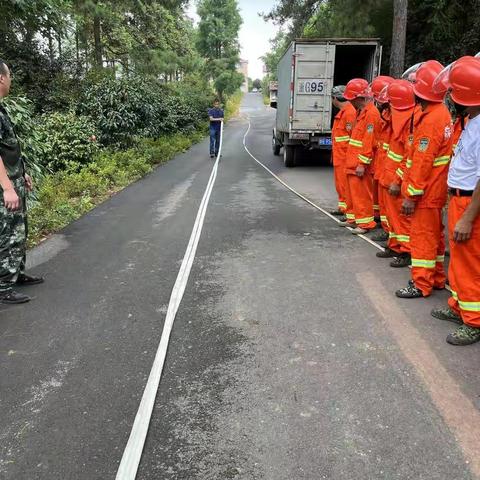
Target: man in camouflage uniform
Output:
{"points": [[13, 223]]}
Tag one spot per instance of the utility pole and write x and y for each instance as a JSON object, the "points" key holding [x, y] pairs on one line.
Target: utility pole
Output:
{"points": [[399, 37]]}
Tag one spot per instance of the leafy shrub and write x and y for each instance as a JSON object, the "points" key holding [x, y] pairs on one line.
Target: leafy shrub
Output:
{"points": [[20, 110], [126, 108], [69, 141]]}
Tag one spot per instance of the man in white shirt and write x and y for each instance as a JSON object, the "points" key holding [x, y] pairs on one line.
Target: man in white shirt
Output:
{"points": [[464, 208]]}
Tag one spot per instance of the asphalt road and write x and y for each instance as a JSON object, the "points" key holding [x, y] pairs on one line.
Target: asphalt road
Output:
{"points": [[290, 357]]}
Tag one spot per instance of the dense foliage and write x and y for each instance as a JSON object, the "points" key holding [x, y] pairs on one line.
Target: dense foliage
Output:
{"points": [[440, 29], [217, 41]]}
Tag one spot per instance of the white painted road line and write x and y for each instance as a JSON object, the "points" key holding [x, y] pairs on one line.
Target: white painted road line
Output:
{"points": [[133, 451], [369, 240]]}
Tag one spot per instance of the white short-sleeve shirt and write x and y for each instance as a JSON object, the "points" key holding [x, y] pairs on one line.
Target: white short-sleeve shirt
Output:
{"points": [[464, 172]]}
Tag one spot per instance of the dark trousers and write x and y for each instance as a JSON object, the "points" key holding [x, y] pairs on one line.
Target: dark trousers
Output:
{"points": [[214, 140]]}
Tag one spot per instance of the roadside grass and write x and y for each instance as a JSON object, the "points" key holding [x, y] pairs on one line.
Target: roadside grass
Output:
{"points": [[232, 106]]}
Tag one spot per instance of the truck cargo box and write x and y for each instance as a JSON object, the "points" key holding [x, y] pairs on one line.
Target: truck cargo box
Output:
{"points": [[306, 74]]}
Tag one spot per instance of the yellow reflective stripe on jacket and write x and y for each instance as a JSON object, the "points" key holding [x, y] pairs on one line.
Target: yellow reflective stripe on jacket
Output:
{"points": [[395, 156], [409, 163], [414, 191], [345, 138], [356, 143], [350, 216], [440, 258], [455, 295], [342, 204], [365, 159], [386, 146], [399, 172], [439, 161], [421, 263]]}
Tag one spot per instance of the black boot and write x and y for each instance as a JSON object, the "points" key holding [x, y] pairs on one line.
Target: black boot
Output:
{"points": [[11, 297]]}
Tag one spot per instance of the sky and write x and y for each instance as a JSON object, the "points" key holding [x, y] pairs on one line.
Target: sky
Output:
{"points": [[254, 34]]}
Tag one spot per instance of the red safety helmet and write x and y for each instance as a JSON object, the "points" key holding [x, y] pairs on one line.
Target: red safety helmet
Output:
{"points": [[424, 78], [357, 87], [441, 85], [383, 97], [400, 94], [464, 82], [377, 86], [410, 73]]}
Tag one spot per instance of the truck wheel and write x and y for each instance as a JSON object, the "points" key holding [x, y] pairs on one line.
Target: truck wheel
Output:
{"points": [[297, 156], [289, 156], [275, 146]]}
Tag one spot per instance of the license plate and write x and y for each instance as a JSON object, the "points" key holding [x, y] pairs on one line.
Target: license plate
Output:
{"points": [[325, 141], [311, 86]]}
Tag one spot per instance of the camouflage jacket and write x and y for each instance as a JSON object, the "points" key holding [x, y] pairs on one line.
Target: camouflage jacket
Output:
{"points": [[10, 151]]}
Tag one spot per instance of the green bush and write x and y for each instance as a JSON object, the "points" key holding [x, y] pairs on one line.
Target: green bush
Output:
{"points": [[135, 107], [69, 141], [21, 110]]}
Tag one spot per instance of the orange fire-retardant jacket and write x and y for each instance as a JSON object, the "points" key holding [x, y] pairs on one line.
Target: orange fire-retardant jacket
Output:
{"points": [[458, 128], [341, 130], [426, 180], [398, 149], [362, 140], [382, 141]]}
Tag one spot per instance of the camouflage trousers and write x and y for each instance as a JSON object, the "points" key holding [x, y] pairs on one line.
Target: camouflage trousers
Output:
{"points": [[13, 238]]}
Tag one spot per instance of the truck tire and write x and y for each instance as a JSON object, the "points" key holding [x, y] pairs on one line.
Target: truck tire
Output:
{"points": [[297, 156], [275, 146], [289, 156]]}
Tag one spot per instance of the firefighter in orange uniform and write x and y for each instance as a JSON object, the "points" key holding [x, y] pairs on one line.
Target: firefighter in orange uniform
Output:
{"points": [[464, 208], [360, 154], [378, 87], [342, 128], [402, 104], [425, 185]]}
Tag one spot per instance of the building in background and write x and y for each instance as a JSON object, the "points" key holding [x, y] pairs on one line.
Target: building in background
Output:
{"points": [[243, 69]]}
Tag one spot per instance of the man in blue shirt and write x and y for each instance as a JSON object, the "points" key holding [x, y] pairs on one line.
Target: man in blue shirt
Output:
{"points": [[216, 118]]}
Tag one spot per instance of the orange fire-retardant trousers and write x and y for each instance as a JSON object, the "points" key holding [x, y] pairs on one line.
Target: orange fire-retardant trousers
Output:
{"points": [[382, 192], [464, 270], [427, 244], [348, 196], [399, 224], [341, 186], [375, 198], [361, 194]]}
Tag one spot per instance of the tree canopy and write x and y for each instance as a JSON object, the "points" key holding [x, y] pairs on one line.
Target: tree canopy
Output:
{"points": [[440, 29]]}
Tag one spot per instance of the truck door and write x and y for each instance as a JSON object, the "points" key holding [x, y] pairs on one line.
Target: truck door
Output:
{"points": [[312, 105], [377, 62]]}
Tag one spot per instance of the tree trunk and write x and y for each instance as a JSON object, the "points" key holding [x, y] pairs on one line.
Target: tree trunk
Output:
{"points": [[50, 45], [399, 36], [97, 41]]}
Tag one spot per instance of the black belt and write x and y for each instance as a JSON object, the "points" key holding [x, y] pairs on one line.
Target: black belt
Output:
{"points": [[457, 192]]}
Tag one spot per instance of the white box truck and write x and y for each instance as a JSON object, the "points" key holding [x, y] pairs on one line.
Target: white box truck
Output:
{"points": [[306, 74]]}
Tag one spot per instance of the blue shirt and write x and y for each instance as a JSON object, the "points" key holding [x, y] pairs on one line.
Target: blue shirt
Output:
{"points": [[215, 113]]}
